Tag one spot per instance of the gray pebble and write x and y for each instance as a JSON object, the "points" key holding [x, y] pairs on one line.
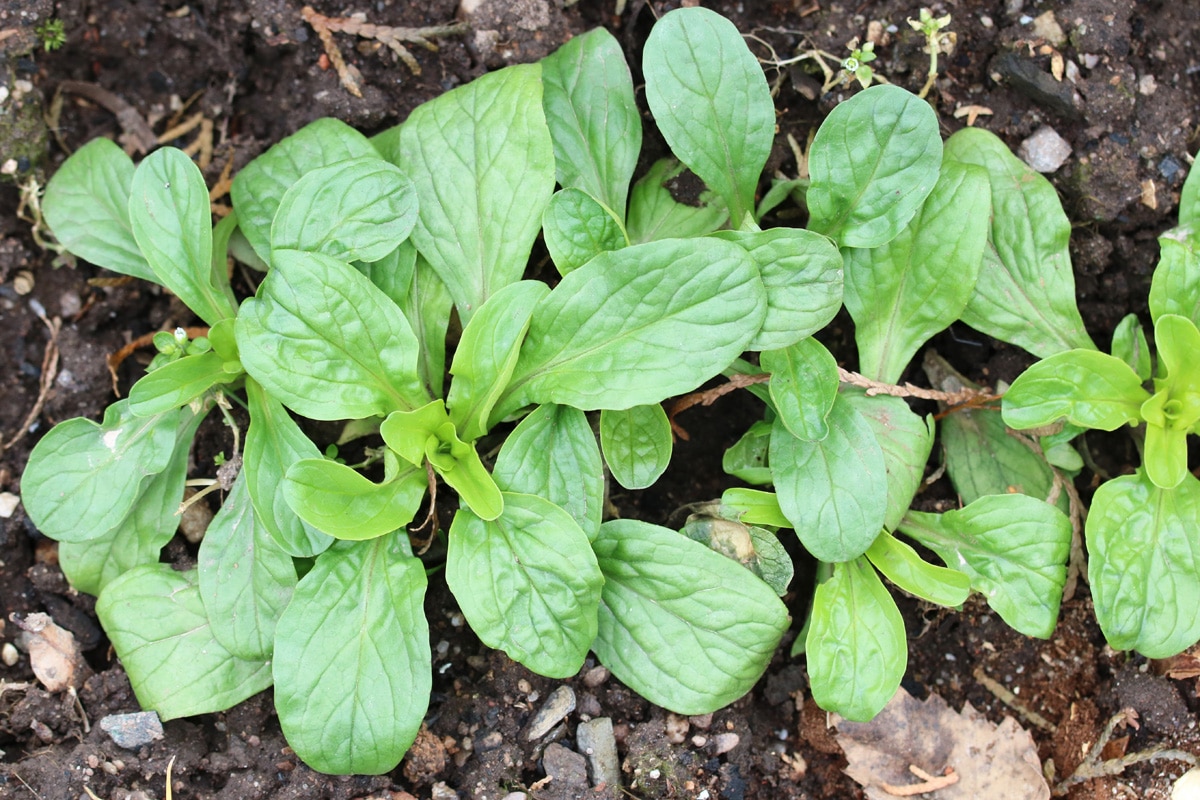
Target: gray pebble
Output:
{"points": [[1045, 150], [560, 703], [131, 731], [599, 747], [724, 742], [565, 768]]}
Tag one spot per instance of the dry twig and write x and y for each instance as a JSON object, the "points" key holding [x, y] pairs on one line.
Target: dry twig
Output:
{"points": [[49, 373], [138, 135], [929, 783]]}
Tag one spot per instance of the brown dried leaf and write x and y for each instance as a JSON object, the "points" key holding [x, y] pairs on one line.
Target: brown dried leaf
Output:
{"points": [[53, 652]]}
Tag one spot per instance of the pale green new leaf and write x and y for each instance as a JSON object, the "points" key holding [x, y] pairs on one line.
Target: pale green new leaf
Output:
{"points": [[655, 214], [322, 339], [901, 293], [527, 582], [1129, 344], [747, 458], [835, 491], [1026, 290], [711, 102], [1144, 564], [804, 385], [753, 507], [346, 505], [577, 227], [906, 439], [683, 626], [352, 664], [83, 479], [1086, 387], [87, 207], [902, 566], [553, 454], [1189, 200], [156, 621], [483, 164], [593, 117], [873, 162], [653, 320], [178, 383], [636, 443], [856, 648], [1013, 547]]}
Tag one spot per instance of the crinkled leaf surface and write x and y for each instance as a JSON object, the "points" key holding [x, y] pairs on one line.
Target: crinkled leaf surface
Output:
{"points": [[1086, 387], [156, 621], [804, 385], [906, 440], [1026, 290], [873, 162], [711, 102], [1013, 547], [577, 227], [636, 443], [655, 214], [683, 626], [346, 505], [527, 582], [352, 665], [1144, 564], [902, 566], [856, 647]]}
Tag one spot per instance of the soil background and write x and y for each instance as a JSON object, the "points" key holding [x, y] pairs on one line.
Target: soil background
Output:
{"points": [[1128, 105]]}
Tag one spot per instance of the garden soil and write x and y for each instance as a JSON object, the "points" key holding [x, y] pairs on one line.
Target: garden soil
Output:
{"points": [[1127, 104]]}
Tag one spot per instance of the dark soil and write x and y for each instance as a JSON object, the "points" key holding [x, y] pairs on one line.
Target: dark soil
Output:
{"points": [[257, 72]]}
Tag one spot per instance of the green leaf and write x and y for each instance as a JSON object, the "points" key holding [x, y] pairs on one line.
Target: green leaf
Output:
{"points": [[346, 505], [170, 217], [753, 507], [355, 210], [156, 621], [681, 625], [856, 648], [87, 207], [747, 458], [487, 354], [670, 314], [577, 228], [1013, 547], [527, 582], [553, 454], [593, 117], [245, 578], [901, 293], [906, 440], [804, 385], [1026, 290], [178, 383], [1144, 564], [353, 670], [835, 491], [83, 479], [1189, 200], [274, 442], [655, 214], [802, 271], [260, 186], [902, 566], [873, 162], [321, 338], [483, 164], [1086, 387], [636, 443], [711, 102], [1129, 344]]}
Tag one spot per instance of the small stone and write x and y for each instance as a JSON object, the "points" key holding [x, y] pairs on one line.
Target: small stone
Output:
{"points": [[599, 747], [702, 721], [131, 731], [516, 796], [558, 705], [1045, 151], [595, 677], [699, 741], [9, 654], [1188, 786], [724, 742], [1047, 27], [566, 769], [1147, 85], [440, 791], [491, 741], [8, 504], [677, 728]]}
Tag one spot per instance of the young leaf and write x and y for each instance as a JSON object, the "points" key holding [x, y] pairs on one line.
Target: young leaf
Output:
{"points": [[170, 218], [856, 647], [315, 310], [355, 210], [636, 443], [802, 271], [245, 578], [156, 621], [1013, 547], [1129, 344], [655, 214], [683, 626], [906, 440], [804, 385], [753, 507], [178, 383], [483, 164], [672, 314], [1189, 201], [83, 479], [747, 459], [577, 227], [341, 502], [527, 582], [1087, 387], [593, 118], [260, 186], [1144, 563], [835, 491], [711, 102], [553, 454], [903, 567], [352, 665], [87, 207], [1026, 291], [873, 162], [903, 292]]}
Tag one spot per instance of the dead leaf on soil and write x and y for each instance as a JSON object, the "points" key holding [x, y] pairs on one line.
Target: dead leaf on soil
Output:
{"points": [[53, 652], [922, 746]]}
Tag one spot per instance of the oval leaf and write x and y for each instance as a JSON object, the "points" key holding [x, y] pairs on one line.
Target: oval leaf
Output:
{"points": [[1086, 387], [804, 384], [577, 228], [341, 502], [906, 440], [636, 443]]}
